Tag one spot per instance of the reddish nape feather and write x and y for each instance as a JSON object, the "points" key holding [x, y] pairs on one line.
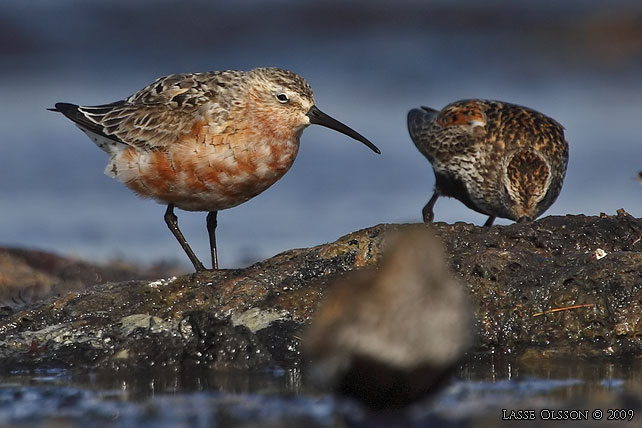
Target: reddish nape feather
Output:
{"points": [[461, 115]]}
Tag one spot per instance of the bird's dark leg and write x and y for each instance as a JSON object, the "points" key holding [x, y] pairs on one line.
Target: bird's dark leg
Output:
{"points": [[427, 211], [211, 230], [172, 223], [490, 221]]}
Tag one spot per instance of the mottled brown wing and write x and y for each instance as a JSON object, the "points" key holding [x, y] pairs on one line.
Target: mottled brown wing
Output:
{"points": [[154, 125], [156, 115]]}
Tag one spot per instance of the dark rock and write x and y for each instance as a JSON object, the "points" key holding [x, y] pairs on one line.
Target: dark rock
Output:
{"points": [[559, 286], [283, 340]]}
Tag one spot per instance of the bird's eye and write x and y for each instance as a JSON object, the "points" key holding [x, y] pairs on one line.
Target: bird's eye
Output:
{"points": [[283, 98]]}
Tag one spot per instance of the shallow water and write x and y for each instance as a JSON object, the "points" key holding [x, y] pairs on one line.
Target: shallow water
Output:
{"points": [[160, 397]]}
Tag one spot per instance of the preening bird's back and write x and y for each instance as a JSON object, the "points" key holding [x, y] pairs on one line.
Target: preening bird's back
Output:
{"points": [[511, 127], [534, 159], [498, 158]]}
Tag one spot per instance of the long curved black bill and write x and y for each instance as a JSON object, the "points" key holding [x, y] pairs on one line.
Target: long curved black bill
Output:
{"points": [[318, 117]]}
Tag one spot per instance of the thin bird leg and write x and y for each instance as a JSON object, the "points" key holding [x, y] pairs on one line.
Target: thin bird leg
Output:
{"points": [[172, 223], [490, 221], [211, 230], [427, 211]]}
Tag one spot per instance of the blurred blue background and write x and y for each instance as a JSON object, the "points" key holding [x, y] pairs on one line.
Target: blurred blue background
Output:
{"points": [[368, 62]]}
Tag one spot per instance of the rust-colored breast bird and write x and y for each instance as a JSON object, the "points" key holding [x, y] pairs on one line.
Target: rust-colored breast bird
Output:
{"points": [[205, 141]]}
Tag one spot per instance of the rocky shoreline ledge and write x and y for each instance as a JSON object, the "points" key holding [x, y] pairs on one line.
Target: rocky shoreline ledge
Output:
{"points": [[560, 286]]}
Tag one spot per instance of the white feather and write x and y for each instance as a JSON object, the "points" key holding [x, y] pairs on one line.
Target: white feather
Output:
{"points": [[106, 144]]}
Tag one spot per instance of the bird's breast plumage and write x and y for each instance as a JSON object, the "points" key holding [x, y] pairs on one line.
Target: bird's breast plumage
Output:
{"points": [[204, 170]]}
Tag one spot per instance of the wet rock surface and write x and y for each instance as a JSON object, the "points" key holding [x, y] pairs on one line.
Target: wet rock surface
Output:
{"points": [[563, 285], [559, 286]]}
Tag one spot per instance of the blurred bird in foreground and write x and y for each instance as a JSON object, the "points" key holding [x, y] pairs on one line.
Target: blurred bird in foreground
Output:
{"points": [[391, 335], [499, 159], [205, 141]]}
